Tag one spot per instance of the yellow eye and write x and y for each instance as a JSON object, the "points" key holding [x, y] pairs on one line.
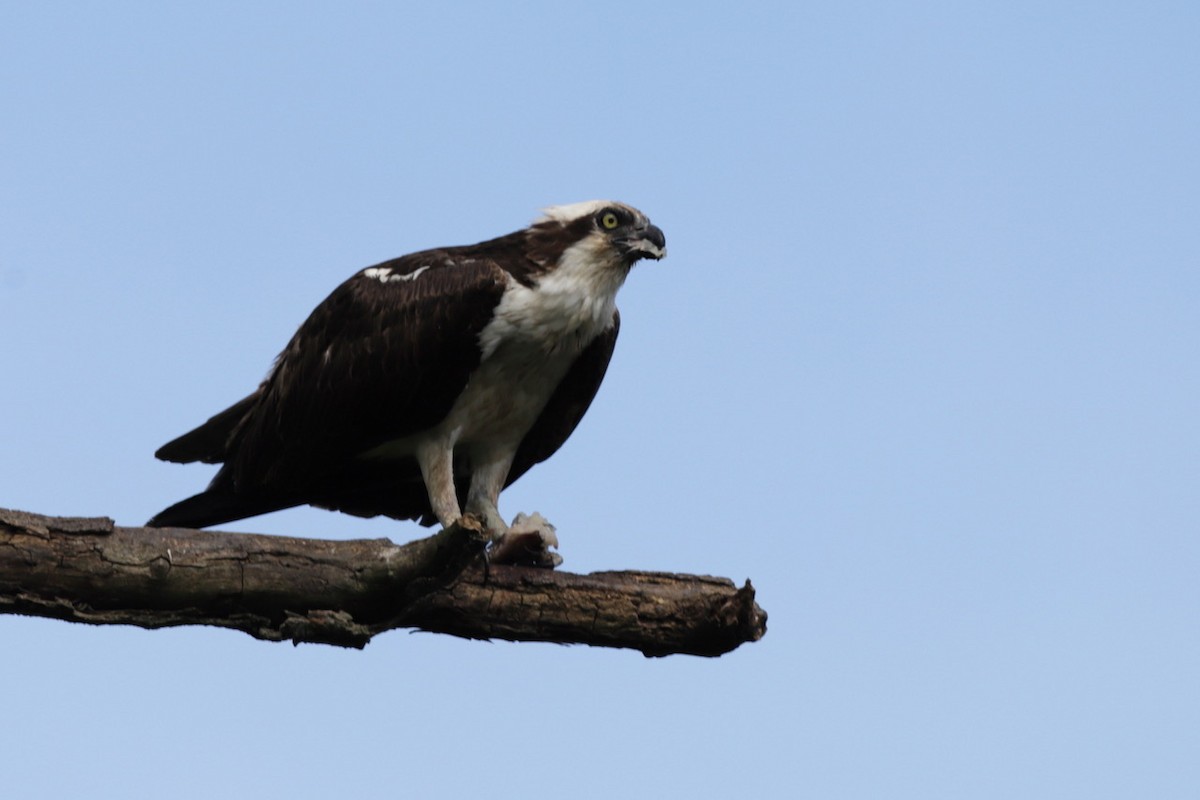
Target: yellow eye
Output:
{"points": [[609, 220]]}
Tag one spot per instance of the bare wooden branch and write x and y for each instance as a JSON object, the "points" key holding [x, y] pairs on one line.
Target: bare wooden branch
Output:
{"points": [[344, 592]]}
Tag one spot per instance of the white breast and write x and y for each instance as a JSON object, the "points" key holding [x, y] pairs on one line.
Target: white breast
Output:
{"points": [[568, 307], [536, 335], [505, 395]]}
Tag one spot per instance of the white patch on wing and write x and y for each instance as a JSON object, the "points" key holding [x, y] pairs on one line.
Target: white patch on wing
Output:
{"points": [[386, 275]]}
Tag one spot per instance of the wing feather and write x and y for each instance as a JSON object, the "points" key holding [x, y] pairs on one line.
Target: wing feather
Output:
{"points": [[384, 356], [377, 361]]}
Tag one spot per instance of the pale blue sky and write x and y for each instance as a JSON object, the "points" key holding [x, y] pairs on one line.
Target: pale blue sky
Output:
{"points": [[922, 364]]}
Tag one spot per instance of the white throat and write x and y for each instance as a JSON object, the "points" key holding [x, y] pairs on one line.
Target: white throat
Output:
{"points": [[566, 308]]}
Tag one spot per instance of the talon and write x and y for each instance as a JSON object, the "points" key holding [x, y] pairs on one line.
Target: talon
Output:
{"points": [[527, 542]]}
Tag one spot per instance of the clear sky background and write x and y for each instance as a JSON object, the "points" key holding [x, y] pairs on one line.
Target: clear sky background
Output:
{"points": [[922, 364]]}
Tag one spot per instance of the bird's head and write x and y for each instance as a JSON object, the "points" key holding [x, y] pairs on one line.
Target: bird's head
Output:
{"points": [[608, 231]]}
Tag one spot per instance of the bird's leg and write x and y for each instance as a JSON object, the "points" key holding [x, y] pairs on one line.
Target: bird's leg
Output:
{"points": [[484, 492], [437, 469], [529, 539]]}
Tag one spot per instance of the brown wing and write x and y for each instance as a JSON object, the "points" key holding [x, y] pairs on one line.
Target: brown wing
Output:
{"points": [[381, 358], [377, 361]]}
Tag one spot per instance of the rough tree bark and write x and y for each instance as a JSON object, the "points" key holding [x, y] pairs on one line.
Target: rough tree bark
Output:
{"points": [[344, 592]]}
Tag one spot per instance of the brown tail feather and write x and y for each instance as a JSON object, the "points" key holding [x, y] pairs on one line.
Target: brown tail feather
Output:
{"points": [[209, 442], [214, 507]]}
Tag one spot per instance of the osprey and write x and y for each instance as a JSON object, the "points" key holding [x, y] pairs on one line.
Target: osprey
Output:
{"points": [[423, 386]]}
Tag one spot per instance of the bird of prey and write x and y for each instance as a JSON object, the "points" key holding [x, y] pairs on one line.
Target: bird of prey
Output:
{"points": [[423, 386]]}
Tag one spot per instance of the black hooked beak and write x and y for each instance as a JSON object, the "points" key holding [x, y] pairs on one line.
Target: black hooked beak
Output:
{"points": [[647, 242]]}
